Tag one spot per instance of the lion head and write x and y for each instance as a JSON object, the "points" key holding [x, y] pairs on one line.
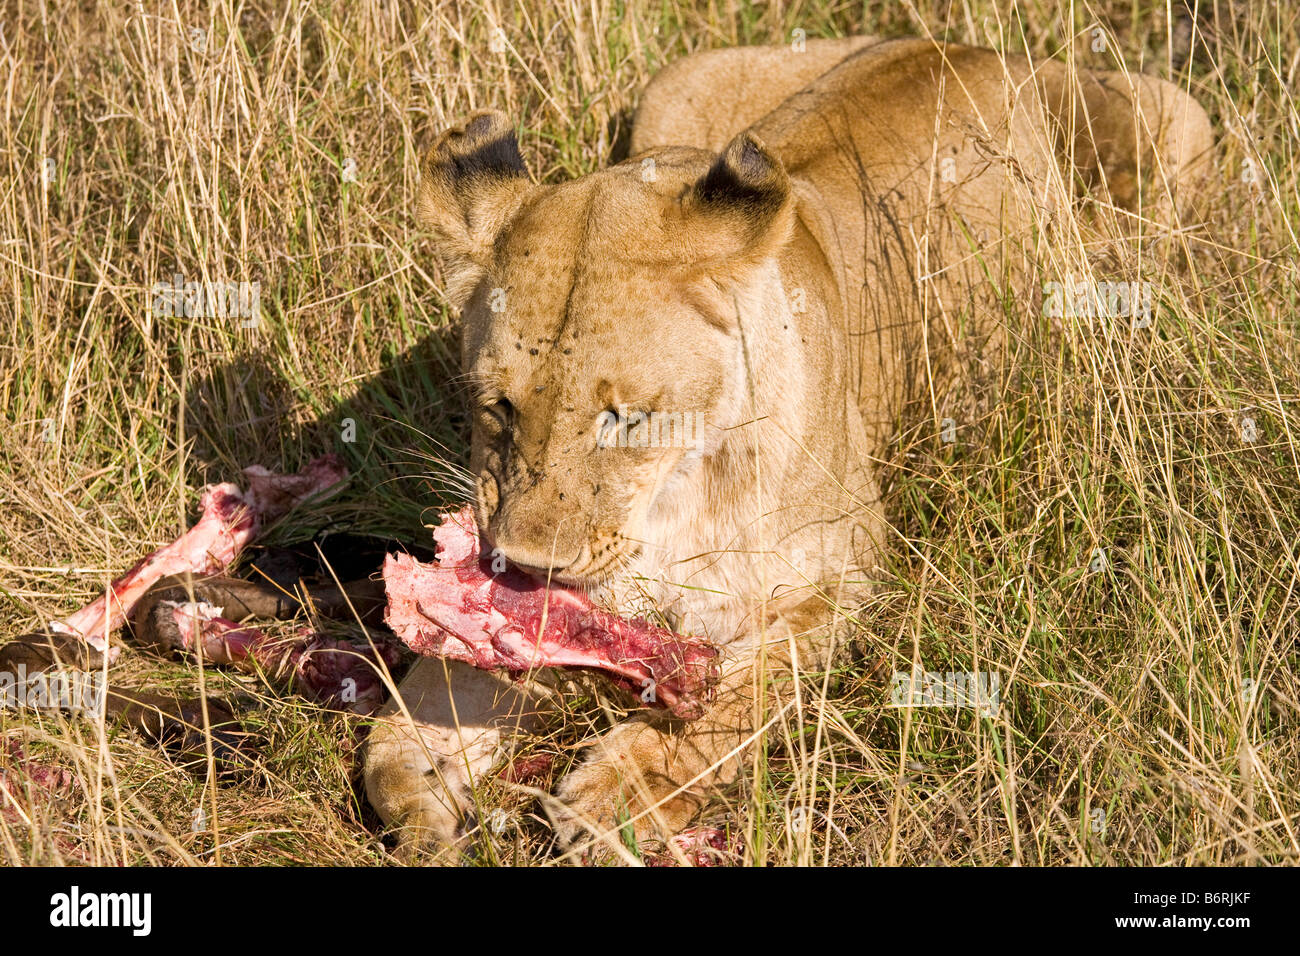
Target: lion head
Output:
{"points": [[600, 338]]}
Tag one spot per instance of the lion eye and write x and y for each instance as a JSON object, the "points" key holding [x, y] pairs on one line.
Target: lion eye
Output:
{"points": [[495, 416], [624, 414], [500, 407], [613, 424]]}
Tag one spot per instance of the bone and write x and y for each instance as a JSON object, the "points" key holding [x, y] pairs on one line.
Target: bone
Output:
{"points": [[341, 673], [457, 608], [230, 519]]}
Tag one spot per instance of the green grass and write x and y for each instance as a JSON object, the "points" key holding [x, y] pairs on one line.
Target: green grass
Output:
{"points": [[1124, 689]]}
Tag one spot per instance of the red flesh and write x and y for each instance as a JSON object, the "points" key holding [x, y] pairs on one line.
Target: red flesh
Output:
{"points": [[701, 846], [459, 609], [33, 790], [532, 769]]}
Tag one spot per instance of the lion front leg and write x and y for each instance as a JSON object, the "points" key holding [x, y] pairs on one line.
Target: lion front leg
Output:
{"points": [[649, 772], [655, 773], [421, 769]]}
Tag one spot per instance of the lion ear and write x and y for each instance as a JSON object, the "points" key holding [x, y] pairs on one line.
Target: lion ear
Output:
{"points": [[742, 206], [472, 182]]}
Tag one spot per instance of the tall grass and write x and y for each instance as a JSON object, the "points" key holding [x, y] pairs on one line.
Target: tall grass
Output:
{"points": [[1149, 698]]}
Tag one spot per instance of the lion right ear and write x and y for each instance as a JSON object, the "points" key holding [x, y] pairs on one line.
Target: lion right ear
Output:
{"points": [[472, 182], [742, 210]]}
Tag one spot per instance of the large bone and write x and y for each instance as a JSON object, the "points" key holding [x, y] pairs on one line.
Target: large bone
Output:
{"points": [[230, 520], [344, 673]]}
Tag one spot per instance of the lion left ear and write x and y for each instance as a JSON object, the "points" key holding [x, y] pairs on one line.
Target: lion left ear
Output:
{"points": [[744, 202]]}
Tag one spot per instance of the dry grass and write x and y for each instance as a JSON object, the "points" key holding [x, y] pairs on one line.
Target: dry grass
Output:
{"points": [[220, 156]]}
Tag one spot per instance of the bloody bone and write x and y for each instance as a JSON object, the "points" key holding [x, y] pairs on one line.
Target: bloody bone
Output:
{"points": [[230, 520], [322, 666], [457, 608], [34, 790], [700, 846]]}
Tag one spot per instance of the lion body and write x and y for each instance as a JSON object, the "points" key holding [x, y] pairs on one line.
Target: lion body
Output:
{"points": [[803, 246]]}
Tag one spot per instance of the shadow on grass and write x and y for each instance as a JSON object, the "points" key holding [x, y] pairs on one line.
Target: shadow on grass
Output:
{"points": [[401, 431]]}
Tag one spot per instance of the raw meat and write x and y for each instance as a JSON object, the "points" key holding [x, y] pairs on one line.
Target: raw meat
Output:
{"points": [[459, 608], [35, 794], [700, 846]]}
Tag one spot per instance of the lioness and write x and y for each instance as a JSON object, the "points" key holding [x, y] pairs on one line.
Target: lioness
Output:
{"points": [[801, 243]]}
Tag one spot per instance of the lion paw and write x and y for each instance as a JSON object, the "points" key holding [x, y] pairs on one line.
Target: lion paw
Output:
{"points": [[628, 786]]}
